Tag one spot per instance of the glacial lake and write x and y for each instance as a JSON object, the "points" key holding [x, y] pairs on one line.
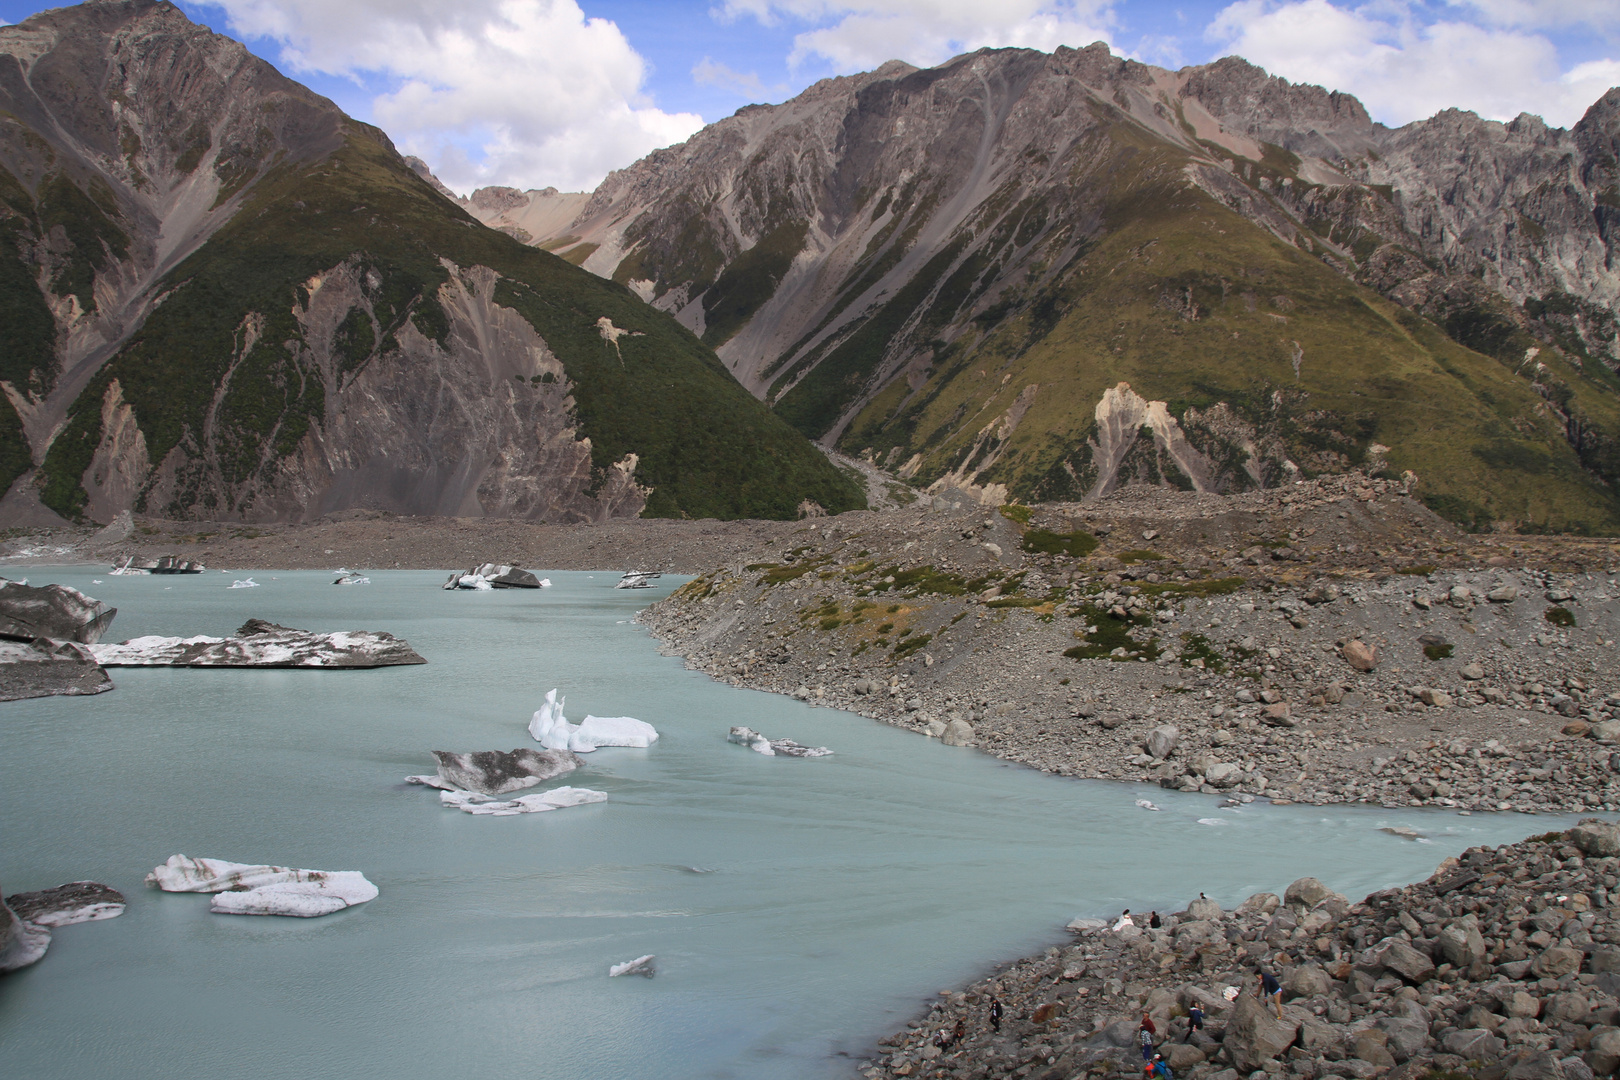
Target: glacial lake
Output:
{"points": [[799, 908]]}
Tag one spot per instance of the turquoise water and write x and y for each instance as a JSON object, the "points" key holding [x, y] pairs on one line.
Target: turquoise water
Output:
{"points": [[799, 909]]}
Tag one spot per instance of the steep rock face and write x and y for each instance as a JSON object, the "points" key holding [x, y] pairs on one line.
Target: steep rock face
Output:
{"points": [[331, 332], [890, 259]]}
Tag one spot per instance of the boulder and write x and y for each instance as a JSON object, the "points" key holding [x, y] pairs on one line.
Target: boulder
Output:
{"points": [[1603, 1053], [1405, 1037], [1204, 909], [1161, 741], [65, 905], [1182, 1056], [256, 889], [1568, 1007], [957, 733], [1474, 1044], [1536, 1065], [492, 772], [44, 668], [264, 645], [1255, 1036], [1556, 962], [1262, 903], [1503, 594], [51, 611], [1277, 714], [1372, 1046], [1306, 893], [1307, 981], [1438, 699], [1473, 672], [1223, 774], [1360, 656], [1410, 964], [1596, 838], [1519, 1003], [1461, 942], [1604, 731]]}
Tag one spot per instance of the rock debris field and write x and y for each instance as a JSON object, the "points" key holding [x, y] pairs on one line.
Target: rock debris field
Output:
{"points": [[1333, 643], [1504, 965]]}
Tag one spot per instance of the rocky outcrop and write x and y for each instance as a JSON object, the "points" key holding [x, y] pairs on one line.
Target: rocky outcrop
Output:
{"points": [[263, 644], [56, 612]]}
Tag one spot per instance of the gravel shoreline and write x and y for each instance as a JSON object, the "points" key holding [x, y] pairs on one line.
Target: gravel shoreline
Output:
{"points": [[1504, 965]]}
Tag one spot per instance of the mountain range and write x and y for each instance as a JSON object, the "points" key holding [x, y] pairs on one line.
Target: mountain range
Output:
{"points": [[1026, 275], [222, 298], [1045, 275]]}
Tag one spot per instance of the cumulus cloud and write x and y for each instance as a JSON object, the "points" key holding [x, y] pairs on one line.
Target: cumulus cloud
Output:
{"points": [[857, 35], [1600, 15], [1403, 69], [521, 92]]}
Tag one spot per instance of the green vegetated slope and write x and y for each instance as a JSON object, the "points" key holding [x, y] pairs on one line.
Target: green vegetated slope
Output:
{"points": [[705, 446], [1195, 306]]}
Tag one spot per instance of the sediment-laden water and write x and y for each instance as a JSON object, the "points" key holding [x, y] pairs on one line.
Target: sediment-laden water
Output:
{"points": [[799, 908]]}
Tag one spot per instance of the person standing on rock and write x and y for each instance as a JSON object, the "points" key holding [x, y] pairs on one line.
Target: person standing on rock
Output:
{"points": [[995, 1013], [1147, 1031], [1270, 990], [1195, 1020]]}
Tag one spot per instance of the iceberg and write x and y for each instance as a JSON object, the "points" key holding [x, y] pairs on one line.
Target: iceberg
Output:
{"points": [[758, 743], [641, 965], [638, 579], [67, 905], [243, 583], [556, 799], [56, 612], [491, 772], [253, 889], [551, 729], [43, 668], [262, 644], [494, 576]]}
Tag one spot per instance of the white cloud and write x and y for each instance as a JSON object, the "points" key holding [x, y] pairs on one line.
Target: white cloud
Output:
{"points": [[1601, 15], [709, 72], [857, 35], [521, 92], [1405, 70]]}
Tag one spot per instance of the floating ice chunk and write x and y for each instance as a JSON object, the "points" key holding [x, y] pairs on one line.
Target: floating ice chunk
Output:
{"points": [[67, 905], [545, 583], [262, 644], [555, 799], [1144, 804], [432, 782], [641, 965], [254, 889], [617, 731], [547, 719], [772, 747], [1211, 821], [243, 583], [25, 944], [492, 772]]}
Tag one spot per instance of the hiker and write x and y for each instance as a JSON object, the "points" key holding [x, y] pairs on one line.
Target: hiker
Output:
{"points": [[1147, 1031], [1158, 1069], [943, 1039], [1124, 921], [1153, 920], [1270, 990], [959, 1032], [995, 1012], [1195, 1020]]}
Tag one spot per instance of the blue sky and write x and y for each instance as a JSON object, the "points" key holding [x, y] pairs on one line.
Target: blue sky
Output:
{"points": [[557, 92]]}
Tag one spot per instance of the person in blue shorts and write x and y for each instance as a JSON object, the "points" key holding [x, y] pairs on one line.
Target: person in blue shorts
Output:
{"points": [[1271, 990]]}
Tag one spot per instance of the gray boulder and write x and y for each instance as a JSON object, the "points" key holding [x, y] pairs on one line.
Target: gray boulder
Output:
{"points": [[1461, 942], [1204, 909], [51, 611], [1307, 981], [1162, 740], [1474, 1044], [1255, 1036], [1261, 903], [1596, 838], [957, 733], [1306, 893], [494, 773], [1404, 1036]]}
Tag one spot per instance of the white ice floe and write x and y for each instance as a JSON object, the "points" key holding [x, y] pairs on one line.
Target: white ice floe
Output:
{"points": [[1144, 804], [555, 799], [252, 889], [552, 730], [545, 583], [261, 644], [641, 965], [1211, 821], [28, 943], [759, 744], [243, 583]]}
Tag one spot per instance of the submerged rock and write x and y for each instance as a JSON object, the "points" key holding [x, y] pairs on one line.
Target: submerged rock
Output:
{"points": [[492, 772], [758, 743], [254, 889], [44, 668], [66, 905], [51, 611], [263, 644], [641, 965]]}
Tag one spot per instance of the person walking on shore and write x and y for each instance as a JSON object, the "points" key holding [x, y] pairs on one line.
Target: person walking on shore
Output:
{"points": [[995, 1012], [1270, 990], [1147, 1031]]}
